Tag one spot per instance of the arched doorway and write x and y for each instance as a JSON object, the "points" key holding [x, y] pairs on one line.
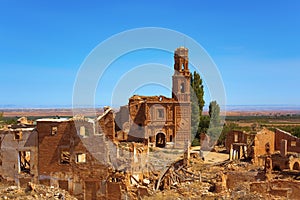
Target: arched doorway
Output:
{"points": [[296, 166], [160, 140]]}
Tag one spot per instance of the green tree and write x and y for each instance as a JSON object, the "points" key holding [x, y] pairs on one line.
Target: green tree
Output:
{"points": [[215, 127], [204, 124], [198, 91], [214, 114], [197, 102]]}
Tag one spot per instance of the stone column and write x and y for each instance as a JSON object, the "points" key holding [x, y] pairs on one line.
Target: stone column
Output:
{"points": [[231, 153], [283, 148]]}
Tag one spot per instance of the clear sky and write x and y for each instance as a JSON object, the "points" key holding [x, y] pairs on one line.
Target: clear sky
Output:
{"points": [[255, 44]]}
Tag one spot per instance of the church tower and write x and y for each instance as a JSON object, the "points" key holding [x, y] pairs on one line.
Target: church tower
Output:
{"points": [[181, 92], [182, 77]]}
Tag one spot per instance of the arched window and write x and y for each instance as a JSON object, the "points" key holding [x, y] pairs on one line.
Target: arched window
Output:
{"points": [[182, 88], [160, 140], [296, 166]]}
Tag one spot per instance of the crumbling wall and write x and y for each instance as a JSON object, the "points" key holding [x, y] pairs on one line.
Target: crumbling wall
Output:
{"points": [[14, 144], [293, 143], [114, 190], [279, 162], [152, 115], [264, 143], [51, 144], [122, 116], [281, 188], [137, 119], [234, 136], [234, 179], [74, 158], [106, 124]]}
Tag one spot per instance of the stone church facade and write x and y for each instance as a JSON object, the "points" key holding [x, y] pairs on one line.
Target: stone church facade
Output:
{"points": [[161, 120]]}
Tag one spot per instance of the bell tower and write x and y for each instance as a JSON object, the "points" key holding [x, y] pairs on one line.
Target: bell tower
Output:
{"points": [[182, 77], [181, 92]]}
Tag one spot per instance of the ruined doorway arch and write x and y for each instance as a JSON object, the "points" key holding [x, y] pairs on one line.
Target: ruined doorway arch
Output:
{"points": [[160, 140], [296, 166]]}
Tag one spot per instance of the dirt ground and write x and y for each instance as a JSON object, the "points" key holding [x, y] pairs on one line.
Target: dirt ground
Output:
{"points": [[211, 157]]}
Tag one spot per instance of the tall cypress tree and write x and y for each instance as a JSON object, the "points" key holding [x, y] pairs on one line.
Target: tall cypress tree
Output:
{"points": [[214, 114], [197, 102]]}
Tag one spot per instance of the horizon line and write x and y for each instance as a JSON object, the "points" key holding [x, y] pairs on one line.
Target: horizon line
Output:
{"points": [[230, 107]]}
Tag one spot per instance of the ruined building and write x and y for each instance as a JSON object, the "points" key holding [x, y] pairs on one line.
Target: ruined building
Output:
{"points": [[18, 154], [160, 120], [81, 155], [75, 154], [279, 149]]}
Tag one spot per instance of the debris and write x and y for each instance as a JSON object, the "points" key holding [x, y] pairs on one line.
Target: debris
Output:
{"points": [[34, 191]]}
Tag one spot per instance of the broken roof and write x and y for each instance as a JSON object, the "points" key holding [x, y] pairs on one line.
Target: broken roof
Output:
{"points": [[144, 99], [287, 133]]}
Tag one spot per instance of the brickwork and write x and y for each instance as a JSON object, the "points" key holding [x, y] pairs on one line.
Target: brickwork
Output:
{"points": [[234, 137], [163, 120], [106, 124], [64, 159], [51, 144], [15, 143], [263, 143], [293, 143]]}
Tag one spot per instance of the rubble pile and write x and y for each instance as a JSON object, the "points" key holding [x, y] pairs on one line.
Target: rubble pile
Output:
{"points": [[222, 180], [34, 191]]}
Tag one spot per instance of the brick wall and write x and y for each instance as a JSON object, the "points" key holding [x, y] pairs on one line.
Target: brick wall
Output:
{"points": [[146, 121], [77, 175], [241, 138], [106, 124], [282, 135], [263, 138], [9, 154], [50, 146]]}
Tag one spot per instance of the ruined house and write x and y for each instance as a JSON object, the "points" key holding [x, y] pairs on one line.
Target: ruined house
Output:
{"points": [[160, 120], [278, 150], [80, 155], [292, 142], [289, 148], [18, 154], [74, 153], [239, 144]]}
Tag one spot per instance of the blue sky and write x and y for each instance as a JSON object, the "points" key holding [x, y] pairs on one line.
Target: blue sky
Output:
{"points": [[255, 44]]}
